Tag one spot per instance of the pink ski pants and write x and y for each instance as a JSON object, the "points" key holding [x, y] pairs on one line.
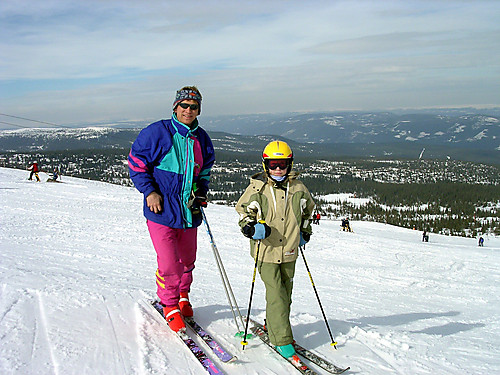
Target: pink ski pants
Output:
{"points": [[176, 254]]}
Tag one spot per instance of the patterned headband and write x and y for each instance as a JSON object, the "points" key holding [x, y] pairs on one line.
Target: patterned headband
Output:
{"points": [[186, 95]]}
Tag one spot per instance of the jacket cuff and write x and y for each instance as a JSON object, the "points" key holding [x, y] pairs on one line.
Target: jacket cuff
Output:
{"points": [[148, 191]]}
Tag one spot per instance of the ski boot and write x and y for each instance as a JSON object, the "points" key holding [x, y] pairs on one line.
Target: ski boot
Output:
{"points": [[174, 319], [185, 305]]}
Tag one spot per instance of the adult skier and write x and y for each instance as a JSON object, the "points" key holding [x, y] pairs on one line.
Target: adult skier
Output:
{"points": [[170, 163], [34, 171], [481, 241], [275, 213], [425, 236], [346, 227]]}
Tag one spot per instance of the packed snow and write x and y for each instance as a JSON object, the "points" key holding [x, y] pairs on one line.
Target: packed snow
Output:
{"points": [[77, 261]]}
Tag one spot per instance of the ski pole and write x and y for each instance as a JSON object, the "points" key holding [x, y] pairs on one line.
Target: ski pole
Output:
{"points": [[225, 280], [244, 342], [333, 343]]}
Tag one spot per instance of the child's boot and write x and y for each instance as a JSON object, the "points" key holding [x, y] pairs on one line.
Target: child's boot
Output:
{"points": [[174, 319], [185, 306], [286, 351]]}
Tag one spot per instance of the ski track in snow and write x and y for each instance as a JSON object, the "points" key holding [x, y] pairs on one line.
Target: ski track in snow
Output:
{"points": [[77, 261], [119, 355], [43, 329]]}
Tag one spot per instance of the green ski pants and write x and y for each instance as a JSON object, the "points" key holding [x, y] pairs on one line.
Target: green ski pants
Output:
{"points": [[278, 279]]}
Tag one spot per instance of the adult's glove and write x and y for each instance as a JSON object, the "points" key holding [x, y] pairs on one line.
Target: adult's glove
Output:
{"points": [[304, 238], [198, 201], [257, 231]]}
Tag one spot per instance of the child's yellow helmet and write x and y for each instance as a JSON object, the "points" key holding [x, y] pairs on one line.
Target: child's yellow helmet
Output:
{"points": [[277, 150]]}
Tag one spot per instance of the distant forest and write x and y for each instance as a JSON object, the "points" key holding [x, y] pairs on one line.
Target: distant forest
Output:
{"points": [[459, 198]]}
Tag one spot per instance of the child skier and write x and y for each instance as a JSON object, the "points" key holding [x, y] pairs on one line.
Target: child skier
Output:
{"points": [[55, 176], [275, 212]]}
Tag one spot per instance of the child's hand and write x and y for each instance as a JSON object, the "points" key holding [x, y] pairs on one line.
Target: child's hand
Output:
{"points": [[257, 231], [304, 238], [262, 230]]}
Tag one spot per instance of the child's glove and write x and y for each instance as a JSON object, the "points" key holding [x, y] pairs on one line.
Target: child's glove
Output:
{"points": [[257, 231], [304, 238]]}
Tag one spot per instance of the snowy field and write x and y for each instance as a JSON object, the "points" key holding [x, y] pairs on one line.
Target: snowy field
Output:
{"points": [[76, 259]]}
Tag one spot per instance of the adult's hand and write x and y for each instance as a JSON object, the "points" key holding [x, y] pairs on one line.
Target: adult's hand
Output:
{"points": [[154, 201]]}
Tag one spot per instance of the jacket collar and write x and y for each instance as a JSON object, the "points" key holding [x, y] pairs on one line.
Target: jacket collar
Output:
{"points": [[184, 129], [261, 178]]}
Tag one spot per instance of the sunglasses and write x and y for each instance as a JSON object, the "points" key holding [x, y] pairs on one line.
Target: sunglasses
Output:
{"points": [[281, 164], [193, 107]]}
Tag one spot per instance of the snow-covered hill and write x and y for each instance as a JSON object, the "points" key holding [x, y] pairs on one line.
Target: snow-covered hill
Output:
{"points": [[475, 131], [356, 133], [76, 259]]}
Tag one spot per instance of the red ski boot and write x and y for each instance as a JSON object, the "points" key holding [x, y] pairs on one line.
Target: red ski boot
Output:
{"points": [[174, 319], [185, 306]]}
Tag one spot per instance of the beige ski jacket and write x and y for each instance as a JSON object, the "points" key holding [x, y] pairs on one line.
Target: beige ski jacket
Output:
{"points": [[286, 207]]}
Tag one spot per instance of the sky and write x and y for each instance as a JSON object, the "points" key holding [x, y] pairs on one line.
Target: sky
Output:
{"points": [[72, 62]]}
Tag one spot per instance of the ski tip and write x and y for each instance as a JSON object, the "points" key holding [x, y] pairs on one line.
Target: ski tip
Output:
{"points": [[232, 359]]}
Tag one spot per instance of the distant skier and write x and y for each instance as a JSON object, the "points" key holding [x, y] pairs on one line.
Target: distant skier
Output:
{"points": [[345, 225], [481, 241], [170, 163], [425, 237], [275, 213], [316, 218], [34, 171], [55, 175]]}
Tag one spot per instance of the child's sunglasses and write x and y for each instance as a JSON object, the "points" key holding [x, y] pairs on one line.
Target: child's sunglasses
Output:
{"points": [[280, 163]]}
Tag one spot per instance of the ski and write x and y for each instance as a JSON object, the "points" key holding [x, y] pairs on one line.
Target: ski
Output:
{"points": [[199, 354], [223, 355], [310, 356], [295, 360], [320, 361]]}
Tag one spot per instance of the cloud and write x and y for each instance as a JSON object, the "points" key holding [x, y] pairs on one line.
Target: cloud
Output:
{"points": [[101, 59]]}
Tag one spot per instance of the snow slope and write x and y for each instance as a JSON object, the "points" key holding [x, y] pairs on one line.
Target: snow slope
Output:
{"points": [[76, 258]]}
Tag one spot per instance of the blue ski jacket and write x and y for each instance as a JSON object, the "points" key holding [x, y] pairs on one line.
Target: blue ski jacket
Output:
{"points": [[174, 160]]}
